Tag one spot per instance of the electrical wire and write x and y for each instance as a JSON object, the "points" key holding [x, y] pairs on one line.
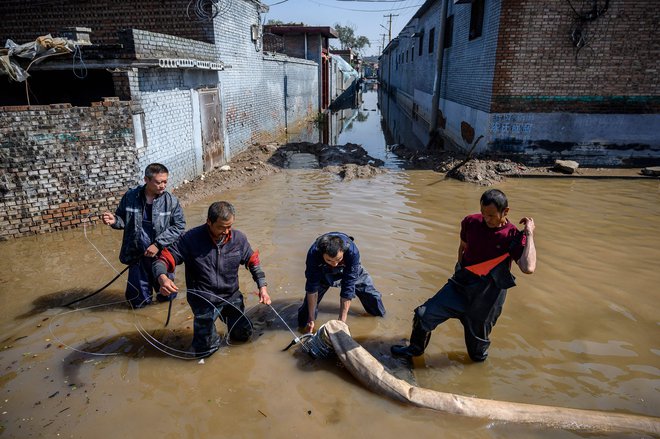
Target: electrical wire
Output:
{"points": [[365, 10], [144, 333]]}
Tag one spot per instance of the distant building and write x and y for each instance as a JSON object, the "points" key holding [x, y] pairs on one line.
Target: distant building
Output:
{"points": [[310, 43], [539, 79], [351, 57]]}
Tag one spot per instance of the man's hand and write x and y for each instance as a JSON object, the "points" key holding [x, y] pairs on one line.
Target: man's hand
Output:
{"points": [[527, 261], [108, 218], [263, 296], [310, 327], [529, 225], [151, 251], [167, 287]]}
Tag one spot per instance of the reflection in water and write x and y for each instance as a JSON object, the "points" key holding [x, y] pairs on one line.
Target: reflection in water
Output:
{"points": [[581, 332], [361, 124]]}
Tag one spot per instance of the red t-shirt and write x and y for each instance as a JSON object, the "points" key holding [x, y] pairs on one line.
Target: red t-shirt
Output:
{"points": [[485, 243]]}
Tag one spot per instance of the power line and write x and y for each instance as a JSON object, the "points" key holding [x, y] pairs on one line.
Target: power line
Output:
{"points": [[365, 10]]}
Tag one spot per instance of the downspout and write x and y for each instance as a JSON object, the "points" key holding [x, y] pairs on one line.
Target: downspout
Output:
{"points": [[306, 46], [437, 79]]}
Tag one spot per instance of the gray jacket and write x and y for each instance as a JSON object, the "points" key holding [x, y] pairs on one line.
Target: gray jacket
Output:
{"points": [[167, 217]]}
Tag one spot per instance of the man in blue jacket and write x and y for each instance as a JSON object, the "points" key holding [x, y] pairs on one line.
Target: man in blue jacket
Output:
{"points": [[152, 219], [213, 253], [334, 261]]}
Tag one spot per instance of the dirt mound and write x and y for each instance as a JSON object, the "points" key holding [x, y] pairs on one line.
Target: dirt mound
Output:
{"points": [[348, 162], [330, 155], [352, 171], [250, 166], [480, 171]]}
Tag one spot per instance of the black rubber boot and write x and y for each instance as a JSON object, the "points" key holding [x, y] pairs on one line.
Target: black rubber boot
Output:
{"points": [[419, 339]]}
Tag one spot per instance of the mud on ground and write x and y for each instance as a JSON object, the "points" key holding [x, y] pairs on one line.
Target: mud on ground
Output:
{"points": [[259, 161], [486, 172], [351, 161]]}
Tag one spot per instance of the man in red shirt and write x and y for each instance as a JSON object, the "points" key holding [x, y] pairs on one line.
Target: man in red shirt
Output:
{"points": [[476, 292]]}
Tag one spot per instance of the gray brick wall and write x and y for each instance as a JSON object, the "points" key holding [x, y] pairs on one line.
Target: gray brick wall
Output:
{"points": [[252, 88], [156, 45], [469, 64], [58, 164]]}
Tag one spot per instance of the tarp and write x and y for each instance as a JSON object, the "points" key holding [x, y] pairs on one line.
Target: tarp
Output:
{"points": [[36, 51], [371, 373]]}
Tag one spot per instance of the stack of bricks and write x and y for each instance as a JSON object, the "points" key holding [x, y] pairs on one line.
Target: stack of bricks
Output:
{"points": [[59, 164]]}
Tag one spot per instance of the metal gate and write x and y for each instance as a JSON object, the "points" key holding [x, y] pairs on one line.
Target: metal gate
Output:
{"points": [[212, 140]]}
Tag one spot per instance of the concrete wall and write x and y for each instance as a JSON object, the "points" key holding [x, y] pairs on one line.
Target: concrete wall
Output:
{"points": [[58, 164]]}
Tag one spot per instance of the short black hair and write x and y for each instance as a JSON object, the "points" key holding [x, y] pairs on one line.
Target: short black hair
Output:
{"points": [[154, 169], [331, 245], [495, 197], [223, 210]]}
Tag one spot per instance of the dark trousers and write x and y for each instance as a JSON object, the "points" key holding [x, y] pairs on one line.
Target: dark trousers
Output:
{"points": [[142, 283], [451, 302], [206, 339], [365, 290]]}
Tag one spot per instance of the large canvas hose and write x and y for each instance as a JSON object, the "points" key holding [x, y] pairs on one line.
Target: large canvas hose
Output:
{"points": [[370, 372]]}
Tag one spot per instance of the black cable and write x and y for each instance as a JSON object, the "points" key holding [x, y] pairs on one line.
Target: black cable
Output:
{"points": [[100, 289], [169, 311]]}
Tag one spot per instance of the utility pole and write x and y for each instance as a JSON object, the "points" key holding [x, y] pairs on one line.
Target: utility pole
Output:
{"points": [[383, 35], [389, 30]]}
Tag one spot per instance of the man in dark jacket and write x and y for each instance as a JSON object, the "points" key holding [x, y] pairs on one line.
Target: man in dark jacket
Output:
{"points": [[152, 219], [334, 261], [475, 294], [213, 253]]}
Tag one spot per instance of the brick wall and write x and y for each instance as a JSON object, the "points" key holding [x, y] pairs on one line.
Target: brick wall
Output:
{"points": [[469, 65], [165, 101], [539, 69], [252, 89], [24, 20], [151, 45], [58, 164]]}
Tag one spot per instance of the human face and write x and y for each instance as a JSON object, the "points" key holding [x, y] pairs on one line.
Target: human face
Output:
{"points": [[156, 185], [493, 217], [333, 262], [220, 228]]}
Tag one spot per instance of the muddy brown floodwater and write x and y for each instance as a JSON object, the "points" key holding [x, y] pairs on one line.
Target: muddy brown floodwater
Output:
{"points": [[581, 332]]}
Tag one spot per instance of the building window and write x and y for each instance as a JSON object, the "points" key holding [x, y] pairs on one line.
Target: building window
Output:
{"points": [[421, 43], [476, 18], [431, 39], [412, 53], [406, 56], [449, 31]]}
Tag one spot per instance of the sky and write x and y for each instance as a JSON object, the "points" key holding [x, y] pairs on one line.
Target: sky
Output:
{"points": [[368, 17]]}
